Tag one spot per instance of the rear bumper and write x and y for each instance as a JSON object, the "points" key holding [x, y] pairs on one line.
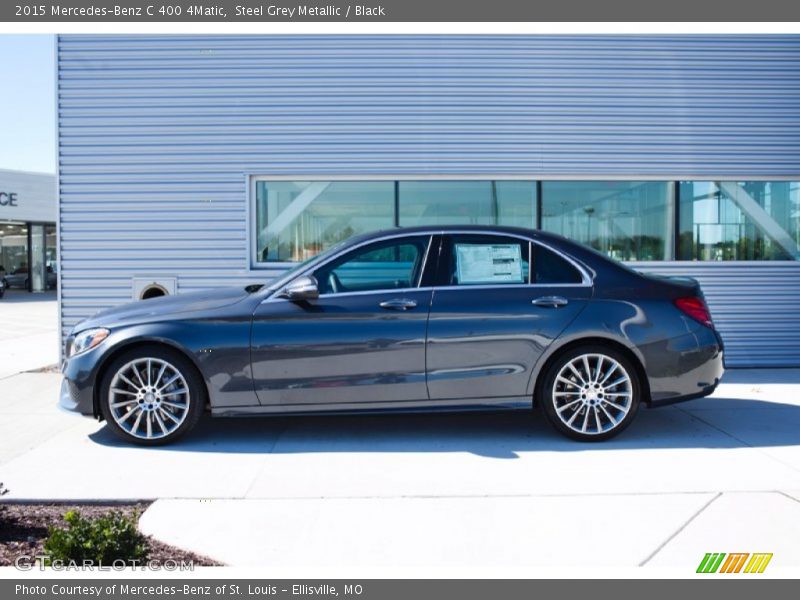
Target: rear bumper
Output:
{"points": [[707, 391], [686, 367]]}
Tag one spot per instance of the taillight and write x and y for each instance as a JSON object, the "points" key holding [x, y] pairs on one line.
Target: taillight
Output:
{"points": [[695, 308]]}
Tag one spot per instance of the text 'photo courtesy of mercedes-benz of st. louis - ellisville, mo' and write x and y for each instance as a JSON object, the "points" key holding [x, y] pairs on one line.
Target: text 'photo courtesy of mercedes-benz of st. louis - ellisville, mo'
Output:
{"points": [[305, 300]]}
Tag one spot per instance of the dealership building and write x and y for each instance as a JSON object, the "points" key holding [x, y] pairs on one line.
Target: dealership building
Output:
{"points": [[28, 246], [191, 162]]}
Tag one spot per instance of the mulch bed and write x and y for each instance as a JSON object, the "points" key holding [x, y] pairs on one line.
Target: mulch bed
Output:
{"points": [[23, 529]]}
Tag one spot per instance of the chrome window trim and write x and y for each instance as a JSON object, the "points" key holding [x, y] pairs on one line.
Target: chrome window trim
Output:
{"points": [[359, 293], [585, 275], [510, 286], [382, 291]]}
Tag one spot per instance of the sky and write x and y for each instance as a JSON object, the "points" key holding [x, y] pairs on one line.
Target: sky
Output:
{"points": [[27, 103]]}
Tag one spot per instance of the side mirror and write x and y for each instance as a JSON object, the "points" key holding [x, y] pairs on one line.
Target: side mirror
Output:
{"points": [[302, 288]]}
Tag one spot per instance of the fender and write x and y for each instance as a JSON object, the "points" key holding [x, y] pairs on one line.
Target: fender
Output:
{"points": [[596, 321]]}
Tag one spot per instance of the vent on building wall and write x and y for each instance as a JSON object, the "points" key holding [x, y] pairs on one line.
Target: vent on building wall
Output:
{"points": [[145, 288]]}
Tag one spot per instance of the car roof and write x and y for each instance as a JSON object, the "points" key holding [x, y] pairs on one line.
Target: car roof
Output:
{"points": [[434, 229], [589, 257]]}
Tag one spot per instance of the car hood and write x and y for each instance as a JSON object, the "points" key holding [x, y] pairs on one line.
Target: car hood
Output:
{"points": [[158, 309]]}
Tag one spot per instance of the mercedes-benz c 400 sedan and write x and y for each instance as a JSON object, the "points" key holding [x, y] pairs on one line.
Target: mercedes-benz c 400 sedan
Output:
{"points": [[446, 318]]}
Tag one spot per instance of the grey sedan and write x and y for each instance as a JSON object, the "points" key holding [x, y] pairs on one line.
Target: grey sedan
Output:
{"points": [[445, 318]]}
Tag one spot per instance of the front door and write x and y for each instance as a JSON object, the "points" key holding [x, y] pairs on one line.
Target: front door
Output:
{"points": [[362, 342], [493, 314]]}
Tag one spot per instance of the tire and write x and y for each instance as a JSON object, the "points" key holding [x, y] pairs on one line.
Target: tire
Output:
{"points": [[154, 410], [593, 407]]}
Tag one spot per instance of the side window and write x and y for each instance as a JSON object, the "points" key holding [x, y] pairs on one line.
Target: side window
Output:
{"points": [[549, 267], [387, 265], [486, 260]]}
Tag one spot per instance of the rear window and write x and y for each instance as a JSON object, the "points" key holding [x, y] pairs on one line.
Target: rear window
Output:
{"points": [[549, 267]]}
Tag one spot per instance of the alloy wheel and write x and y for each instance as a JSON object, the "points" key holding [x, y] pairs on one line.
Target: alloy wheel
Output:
{"points": [[149, 398], [592, 394]]}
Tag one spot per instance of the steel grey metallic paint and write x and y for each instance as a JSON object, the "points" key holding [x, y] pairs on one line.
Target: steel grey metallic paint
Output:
{"points": [[461, 348]]}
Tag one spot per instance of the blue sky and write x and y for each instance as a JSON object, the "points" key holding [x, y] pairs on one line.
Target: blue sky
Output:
{"points": [[27, 103]]}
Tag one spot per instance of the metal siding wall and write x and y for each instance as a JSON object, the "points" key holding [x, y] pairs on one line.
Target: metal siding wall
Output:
{"points": [[158, 133]]}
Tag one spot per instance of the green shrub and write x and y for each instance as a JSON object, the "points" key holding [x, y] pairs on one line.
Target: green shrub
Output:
{"points": [[107, 538]]}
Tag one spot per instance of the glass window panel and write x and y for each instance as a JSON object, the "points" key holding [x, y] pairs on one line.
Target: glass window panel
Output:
{"points": [[486, 260], [381, 266], [14, 253], [467, 203], [550, 268], [753, 220], [296, 220], [51, 256], [626, 220]]}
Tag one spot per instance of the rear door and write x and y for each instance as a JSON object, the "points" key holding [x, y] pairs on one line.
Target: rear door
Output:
{"points": [[498, 303]]}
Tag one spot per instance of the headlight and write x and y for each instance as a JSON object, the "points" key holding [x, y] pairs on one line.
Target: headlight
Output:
{"points": [[86, 340]]}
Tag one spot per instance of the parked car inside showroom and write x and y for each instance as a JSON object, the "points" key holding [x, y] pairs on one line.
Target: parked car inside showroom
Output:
{"points": [[17, 278], [20, 278], [427, 318]]}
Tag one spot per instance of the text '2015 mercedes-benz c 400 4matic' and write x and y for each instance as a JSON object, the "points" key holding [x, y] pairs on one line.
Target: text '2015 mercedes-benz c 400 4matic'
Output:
{"points": [[446, 318]]}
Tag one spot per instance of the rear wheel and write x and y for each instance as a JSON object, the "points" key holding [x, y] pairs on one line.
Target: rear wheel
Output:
{"points": [[591, 393], [152, 396]]}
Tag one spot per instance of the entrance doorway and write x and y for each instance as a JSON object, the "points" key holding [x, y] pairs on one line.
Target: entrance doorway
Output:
{"points": [[28, 256]]}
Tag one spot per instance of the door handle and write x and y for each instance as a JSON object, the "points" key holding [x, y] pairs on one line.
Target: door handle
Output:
{"points": [[551, 301], [398, 304]]}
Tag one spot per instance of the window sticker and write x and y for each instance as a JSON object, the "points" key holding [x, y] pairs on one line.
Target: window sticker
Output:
{"points": [[488, 263]]}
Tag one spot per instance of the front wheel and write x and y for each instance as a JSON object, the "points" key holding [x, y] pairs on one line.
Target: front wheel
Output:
{"points": [[152, 396], [591, 393]]}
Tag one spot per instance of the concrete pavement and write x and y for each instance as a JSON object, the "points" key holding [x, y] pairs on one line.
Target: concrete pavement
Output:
{"points": [[739, 440], [720, 474], [493, 489], [28, 336]]}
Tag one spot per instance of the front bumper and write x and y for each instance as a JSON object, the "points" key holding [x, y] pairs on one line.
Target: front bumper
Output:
{"points": [[77, 387], [71, 399]]}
